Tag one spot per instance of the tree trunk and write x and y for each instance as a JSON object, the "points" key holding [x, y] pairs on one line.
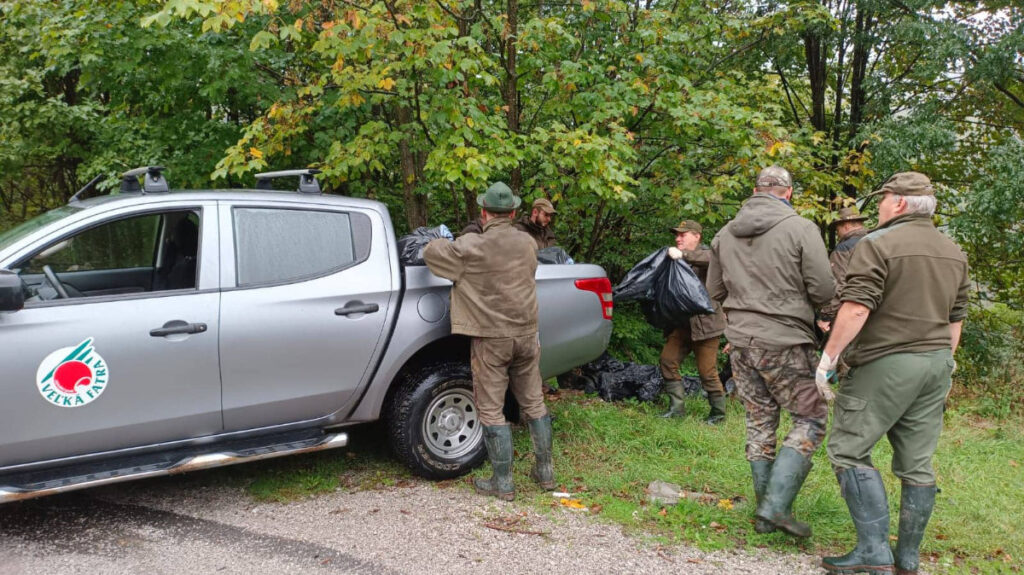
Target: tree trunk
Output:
{"points": [[511, 87], [412, 169]]}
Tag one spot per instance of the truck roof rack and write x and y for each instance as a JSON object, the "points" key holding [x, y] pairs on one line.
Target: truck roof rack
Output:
{"points": [[153, 181], [307, 180]]}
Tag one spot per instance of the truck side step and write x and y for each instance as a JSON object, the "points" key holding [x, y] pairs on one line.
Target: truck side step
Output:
{"points": [[29, 485]]}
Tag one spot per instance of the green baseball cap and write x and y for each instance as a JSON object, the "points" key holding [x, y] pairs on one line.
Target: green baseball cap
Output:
{"points": [[498, 199], [906, 184], [687, 226]]}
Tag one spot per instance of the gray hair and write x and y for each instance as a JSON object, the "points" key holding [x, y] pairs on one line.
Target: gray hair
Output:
{"points": [[918, 204]]}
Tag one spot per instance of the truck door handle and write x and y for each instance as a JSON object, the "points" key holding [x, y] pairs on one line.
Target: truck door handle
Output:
{"points": [[177, 327], [350, 309]]}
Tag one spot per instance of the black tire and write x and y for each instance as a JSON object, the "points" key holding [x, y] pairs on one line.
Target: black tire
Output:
{"points": [[433, 424]]}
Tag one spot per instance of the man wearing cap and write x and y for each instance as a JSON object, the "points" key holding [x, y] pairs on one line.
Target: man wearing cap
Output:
{"points": [[494, 301], [769, 269], [538, 223], [902, 310], [850, 229], [700, 336]]}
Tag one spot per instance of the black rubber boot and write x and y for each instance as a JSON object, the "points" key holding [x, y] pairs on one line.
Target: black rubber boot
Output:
{"points": [[788, 474], [498, 439], [717, 414], [543, 471], [864, 493], [916, 504], [676, 398], [761, 470]]}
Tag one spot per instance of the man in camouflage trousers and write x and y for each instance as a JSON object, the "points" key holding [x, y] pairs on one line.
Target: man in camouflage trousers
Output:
{"points": [[904, 303], [494, 301], [769, 269]]}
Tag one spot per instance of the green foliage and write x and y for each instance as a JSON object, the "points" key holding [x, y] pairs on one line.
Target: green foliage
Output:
{"points": [[989, 362], [633, 339]]}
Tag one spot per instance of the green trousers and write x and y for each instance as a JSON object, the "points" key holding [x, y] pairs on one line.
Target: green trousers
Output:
{"points": [[900, 396]]}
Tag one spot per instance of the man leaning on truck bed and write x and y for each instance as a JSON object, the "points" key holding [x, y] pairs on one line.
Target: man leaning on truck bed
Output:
{"points": [[494, 301]]}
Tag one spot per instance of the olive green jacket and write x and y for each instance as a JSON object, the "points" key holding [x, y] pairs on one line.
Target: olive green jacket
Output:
{"points": [[769, 269], [544, 237], [495, 293], [704, 327], [839, 259], [914, 280]]}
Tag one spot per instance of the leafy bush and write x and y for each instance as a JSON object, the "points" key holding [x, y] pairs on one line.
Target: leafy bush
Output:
{"points": [[633, 339], [989, 361]]}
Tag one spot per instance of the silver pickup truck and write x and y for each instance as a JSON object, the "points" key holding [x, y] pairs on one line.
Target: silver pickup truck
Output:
{"points": [[153, 332]]}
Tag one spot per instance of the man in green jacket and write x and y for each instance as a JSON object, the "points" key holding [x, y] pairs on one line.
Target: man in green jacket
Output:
{"points": [[850, 229], [769, 269], [494, 301], [904, 303], [700, 336]]}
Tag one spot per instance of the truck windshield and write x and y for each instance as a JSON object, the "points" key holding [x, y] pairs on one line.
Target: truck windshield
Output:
{"points": [[7, 238]]}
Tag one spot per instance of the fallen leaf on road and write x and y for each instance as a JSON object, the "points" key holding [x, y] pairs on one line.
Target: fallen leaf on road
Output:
{"points": [[571, 503]]}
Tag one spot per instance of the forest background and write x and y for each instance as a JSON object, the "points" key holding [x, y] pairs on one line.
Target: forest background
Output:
{"points": [[628, 116]]}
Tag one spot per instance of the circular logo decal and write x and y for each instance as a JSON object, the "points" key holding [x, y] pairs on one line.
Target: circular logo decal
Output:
{"points": [[72, 376]]}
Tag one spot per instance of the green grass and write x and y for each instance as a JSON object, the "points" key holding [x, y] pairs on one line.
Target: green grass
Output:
{"points": [[606, 455]]}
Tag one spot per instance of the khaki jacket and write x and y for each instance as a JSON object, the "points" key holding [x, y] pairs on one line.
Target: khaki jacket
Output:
{"points": [[839, 259], [914, 280], [544, 237], [495, 293], [704, 327], [769, 269], [473, 227]]}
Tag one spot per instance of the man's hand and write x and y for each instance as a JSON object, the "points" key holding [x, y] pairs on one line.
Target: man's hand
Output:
{"points": [[675, 253], [824, 325], [826, 369]]}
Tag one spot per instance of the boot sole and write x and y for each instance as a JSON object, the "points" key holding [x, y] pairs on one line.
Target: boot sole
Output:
{"points": [[502, 496], [786, 529], [869, 569]]}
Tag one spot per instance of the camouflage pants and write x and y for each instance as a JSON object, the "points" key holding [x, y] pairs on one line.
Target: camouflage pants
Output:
{"points": [[769, 380]]}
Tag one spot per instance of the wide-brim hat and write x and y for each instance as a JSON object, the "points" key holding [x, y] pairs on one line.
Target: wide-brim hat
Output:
{"points": [[849, 215], [498, 199]]}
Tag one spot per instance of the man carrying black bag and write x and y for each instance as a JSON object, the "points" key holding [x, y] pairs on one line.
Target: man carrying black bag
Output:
{"points": [[700, 335]]}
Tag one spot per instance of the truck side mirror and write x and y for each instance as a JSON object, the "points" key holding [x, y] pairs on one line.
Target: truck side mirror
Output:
{"points": [[12, 291]]}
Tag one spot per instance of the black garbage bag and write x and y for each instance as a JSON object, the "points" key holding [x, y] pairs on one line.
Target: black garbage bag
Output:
{"points": [[614, 380], [669, 290], [410, 247], [553, 255]]}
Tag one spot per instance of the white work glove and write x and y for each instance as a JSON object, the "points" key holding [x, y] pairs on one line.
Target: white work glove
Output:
{"points": [[826, 370], [675, 253]]}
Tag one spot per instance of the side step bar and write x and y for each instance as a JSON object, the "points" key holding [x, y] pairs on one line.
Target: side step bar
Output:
{"points": [[142, 470]]}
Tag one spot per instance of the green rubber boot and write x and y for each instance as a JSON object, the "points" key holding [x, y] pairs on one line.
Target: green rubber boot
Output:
{"points": [[543, 471], [788, 474], [498, 440], [864, 493], [761, 470], [916, 504], [676, 398], [717, 414]]}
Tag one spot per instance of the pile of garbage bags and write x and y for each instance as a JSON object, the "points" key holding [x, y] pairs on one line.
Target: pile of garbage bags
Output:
{"points": [[615, 380], [669, 291]]}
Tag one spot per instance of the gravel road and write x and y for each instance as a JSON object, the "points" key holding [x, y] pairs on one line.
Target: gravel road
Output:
{"points": [[181, 525]]}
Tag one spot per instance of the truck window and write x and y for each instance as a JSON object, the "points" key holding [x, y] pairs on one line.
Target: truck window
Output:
{"points": [[281, 245], [121, 244]]}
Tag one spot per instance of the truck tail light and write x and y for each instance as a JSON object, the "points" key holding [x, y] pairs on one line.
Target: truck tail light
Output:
{"points": [[603, 288]]}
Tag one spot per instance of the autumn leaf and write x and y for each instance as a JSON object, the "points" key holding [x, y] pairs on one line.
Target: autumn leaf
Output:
{"points": [[571, 503], [386, 83], [725, 504], [256, 153]]}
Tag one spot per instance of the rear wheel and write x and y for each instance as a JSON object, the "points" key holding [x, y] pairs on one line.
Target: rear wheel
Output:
{"points": [[433, 424]]}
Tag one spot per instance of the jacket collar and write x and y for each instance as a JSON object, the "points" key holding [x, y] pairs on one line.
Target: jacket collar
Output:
{"points": [[498, 221]]}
